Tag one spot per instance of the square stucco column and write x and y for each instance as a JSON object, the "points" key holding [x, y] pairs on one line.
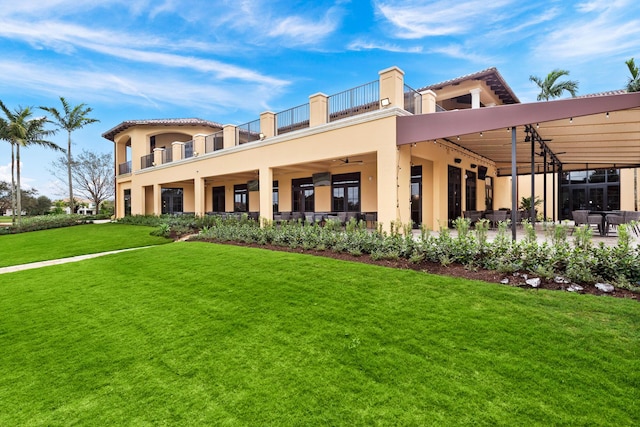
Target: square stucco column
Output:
{"points": [[268, 124], [394, 185], [266, 193], [229, 136], [157, 199], [428, 101], [198, 194], [178, 150], [318, 109], [157, 156], [392, 86], [198, 144]]}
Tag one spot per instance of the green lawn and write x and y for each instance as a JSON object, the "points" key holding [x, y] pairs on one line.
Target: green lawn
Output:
{"points": [[203, 334], [56, 243]]}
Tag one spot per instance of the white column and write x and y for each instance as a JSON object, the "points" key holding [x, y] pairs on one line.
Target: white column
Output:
{"points": [[475, 97]]}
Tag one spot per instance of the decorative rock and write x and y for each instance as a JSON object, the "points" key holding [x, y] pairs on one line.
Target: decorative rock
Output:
{"points": [[605, 287], [534, 283], [525, 276], [560, 279], [575, 288], [505, 281]]}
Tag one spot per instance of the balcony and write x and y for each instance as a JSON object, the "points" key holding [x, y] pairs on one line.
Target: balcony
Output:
{"points": [[146, 161], [292, 119], [412, 100], [213, 142], [359, 100], [248, 132], [124, 168]]}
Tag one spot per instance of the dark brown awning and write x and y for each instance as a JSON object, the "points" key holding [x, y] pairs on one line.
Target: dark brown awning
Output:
{"points": [[598, 131]]}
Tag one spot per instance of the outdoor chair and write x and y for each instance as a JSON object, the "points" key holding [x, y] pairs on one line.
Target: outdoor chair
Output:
{"points": [[496, 216], [582, 217], [473, 216]]}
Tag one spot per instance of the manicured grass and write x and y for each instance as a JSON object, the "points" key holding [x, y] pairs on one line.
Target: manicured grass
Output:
{"points": [[71, 241], [202, 334]]}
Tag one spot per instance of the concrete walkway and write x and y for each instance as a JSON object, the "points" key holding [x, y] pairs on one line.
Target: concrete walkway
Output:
{"points": [[39, 264]]}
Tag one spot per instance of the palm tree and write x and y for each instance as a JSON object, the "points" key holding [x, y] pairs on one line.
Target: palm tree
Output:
{"points": [[549, 89], [70, 119], [21, 131], [633, 85]]}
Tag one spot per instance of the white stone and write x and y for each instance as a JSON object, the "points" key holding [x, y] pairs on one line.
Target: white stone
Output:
{"points": [[560, 279], [505, 281], [575, 288], [605, 287], [534, 283]]}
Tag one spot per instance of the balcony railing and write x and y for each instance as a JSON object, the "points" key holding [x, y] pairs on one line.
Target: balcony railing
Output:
{"points": [[213, 142], [167, 155], [359, 100], [412, 100], [248, 132], [124, 168], [439, 108], [292, 119], [146, 161], [187, 150]]}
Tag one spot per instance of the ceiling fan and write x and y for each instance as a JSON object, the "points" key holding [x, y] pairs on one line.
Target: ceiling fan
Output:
{"points": [[347, 161]]}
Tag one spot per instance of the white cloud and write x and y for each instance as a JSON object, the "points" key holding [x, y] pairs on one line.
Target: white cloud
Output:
{"points": [[298, 30], [458, 51], [5, 172], [589, 39], [388, 47], [134, 87], [419, 19]]}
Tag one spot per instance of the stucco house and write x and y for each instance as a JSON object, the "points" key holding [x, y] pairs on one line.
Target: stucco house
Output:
{"points": [[386, 152]]}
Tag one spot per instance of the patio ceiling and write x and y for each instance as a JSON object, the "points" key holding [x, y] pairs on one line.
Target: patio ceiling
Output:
{"points": [[597, 131]]}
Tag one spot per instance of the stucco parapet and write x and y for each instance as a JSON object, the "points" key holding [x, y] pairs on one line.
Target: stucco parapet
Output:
{"points": [[394, 68]]}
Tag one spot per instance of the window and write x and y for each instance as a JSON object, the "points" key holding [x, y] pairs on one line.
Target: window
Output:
{"points": [[346, 192], [240, 198], [470, 190], [593, 189], [303, 195], [127, 202], [152, 143], [275, 197], [218, 199], [172, 200]]}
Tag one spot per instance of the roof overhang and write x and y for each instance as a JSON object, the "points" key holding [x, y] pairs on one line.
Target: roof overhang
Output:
{"points": [[111, 133], [600, 132]]}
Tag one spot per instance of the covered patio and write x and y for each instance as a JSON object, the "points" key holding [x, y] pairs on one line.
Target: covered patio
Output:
{"points": [[600, 131]]}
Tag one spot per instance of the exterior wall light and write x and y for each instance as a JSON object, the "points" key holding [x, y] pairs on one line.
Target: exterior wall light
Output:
{"points": [[457, 160], [262, 136], [385, 102]]}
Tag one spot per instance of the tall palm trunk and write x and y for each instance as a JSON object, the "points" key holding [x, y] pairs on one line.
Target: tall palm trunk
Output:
{"points": [[18, 195], [71, 207], [13, 185]]}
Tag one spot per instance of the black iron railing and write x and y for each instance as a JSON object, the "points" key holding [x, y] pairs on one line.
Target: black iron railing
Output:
{"points": [[359, 100], [213, 142], [248, 132], [412, 100], [167, 155], [146, 161], [124, 168], [292, 119], [187, 150]]}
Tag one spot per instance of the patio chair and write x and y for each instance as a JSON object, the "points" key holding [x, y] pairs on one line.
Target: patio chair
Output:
{"points": [[582, 217], [633, 216], [496, 216], [615, 219]]}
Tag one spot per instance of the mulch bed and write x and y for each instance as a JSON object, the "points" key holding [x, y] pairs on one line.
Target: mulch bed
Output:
{"points": [[453, 270]]}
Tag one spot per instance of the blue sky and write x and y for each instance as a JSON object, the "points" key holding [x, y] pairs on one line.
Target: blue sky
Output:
{"points": [[229, 60]]}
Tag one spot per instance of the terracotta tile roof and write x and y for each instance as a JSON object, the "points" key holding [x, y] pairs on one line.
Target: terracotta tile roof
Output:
{"points": [[491, 76], [111, 133]]}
